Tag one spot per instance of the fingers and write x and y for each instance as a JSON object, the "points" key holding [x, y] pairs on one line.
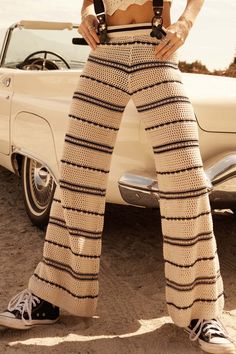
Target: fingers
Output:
{"points": [[168, 46], [168, 51], [88, 32], [92, 31], [175, 38]]}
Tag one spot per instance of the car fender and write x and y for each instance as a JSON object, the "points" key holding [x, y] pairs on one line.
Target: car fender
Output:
{"points": [[32, 136]]}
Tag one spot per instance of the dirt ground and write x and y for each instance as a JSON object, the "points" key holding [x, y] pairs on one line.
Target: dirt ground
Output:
{"points": [[131, 315]]}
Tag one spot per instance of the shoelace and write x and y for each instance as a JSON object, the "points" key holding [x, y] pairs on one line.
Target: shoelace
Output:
{"points": [[24, 302], [209, 328]]}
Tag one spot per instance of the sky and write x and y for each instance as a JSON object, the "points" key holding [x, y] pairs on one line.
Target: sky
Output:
{"points": [[212, 40]]}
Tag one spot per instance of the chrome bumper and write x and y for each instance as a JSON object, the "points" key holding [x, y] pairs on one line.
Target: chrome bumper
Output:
{"points": [[139, 190], [143, 191]]}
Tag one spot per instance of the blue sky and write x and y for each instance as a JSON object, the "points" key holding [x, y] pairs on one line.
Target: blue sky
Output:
{"points": [[212, 39]]}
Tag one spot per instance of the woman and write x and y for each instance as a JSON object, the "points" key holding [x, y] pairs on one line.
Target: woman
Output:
{"points": [[130, 63]]}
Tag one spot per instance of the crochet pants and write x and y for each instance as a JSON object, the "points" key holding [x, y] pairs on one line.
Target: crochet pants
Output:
{"points": [[116, 71]]}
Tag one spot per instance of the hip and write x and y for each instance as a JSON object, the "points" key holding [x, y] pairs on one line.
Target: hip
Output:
{"points": [[131, 43]]}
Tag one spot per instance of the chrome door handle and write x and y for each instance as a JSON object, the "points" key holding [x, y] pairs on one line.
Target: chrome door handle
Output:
{"points": [[6, 81]]}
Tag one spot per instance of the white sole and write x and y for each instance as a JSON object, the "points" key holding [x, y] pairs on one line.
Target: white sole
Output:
{"points": [[213, 348], [216, 348], [20, 324]]}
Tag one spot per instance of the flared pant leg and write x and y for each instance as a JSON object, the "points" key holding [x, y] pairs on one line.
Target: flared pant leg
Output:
{"points": [[194, 286], [67, 276]]}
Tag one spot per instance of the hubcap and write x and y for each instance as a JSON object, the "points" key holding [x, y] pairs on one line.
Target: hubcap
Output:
{"points": [[41, 184]]}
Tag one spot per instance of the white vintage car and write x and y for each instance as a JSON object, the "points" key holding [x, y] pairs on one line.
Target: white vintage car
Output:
{"points": [[39, 69]]}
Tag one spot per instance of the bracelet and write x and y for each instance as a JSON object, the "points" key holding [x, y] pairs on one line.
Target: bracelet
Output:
{"points": [[89, 10], [187, 21]]}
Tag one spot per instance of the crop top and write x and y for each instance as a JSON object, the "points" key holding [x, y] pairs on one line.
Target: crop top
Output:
{"points": [[112, 5]]}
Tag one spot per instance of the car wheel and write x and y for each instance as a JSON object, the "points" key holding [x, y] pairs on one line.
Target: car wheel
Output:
{"points": [[38, 190]]}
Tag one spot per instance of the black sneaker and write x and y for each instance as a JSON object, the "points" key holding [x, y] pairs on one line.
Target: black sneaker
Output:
{"points": [[211, 335], [26, 310]]}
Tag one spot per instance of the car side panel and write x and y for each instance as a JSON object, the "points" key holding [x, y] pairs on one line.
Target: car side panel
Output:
{"points": [[32, 134], [6, 91], [40, 108]]}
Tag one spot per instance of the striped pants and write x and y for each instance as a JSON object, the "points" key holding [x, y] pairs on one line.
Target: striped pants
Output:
{"points": [[116, 71]]}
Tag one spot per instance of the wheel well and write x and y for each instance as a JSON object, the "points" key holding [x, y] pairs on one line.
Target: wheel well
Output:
{"points": [[17, 160]]}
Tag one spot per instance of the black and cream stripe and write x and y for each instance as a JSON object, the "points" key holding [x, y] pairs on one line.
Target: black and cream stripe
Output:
{"points": [[67, 276]]}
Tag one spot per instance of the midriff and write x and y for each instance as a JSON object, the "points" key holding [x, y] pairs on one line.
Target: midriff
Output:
{"points": [[138, 14]]}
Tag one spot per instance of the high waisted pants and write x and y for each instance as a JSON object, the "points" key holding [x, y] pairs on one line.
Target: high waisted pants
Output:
{"points": [[67, 276]]}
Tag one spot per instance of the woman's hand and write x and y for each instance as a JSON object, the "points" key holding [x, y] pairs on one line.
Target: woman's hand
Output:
{"points": [[175, 38], [87, 29]]}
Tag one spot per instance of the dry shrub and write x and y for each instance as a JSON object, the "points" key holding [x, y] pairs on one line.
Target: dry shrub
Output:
{"points": [[198, 67]]}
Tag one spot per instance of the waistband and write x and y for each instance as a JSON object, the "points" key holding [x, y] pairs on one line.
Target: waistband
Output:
{"points": [[133, 29]]}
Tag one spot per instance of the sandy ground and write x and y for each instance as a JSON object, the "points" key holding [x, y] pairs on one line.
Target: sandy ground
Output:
{"points": [[131, 315]]}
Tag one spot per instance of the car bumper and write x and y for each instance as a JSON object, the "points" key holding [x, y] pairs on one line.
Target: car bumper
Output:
{"points": [[221, 176]]}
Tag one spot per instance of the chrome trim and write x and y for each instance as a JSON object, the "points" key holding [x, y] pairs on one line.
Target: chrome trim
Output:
{"points": [[5, 45], [223, 177], [139, 190], [143, 191], [15, 166], [222, 170], [6, 81]]}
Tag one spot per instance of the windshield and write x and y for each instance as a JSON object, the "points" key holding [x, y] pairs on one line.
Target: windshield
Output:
{"points": [[24, 42]]}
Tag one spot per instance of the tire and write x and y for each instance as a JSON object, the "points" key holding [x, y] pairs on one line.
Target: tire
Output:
{"points": [[38, 190]]}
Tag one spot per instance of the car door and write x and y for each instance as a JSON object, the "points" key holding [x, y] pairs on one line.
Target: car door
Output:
{"points": [[5, 110]]}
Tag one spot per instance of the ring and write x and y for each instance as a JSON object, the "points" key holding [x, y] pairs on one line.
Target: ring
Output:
{"points": [[91, 28]]}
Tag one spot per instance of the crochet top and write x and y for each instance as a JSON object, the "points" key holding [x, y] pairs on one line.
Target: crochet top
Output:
{"points": [[112, 5]]}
